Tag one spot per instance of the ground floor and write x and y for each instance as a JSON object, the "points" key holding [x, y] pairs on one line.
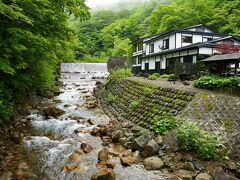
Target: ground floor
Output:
{"points": [[171, 63]]}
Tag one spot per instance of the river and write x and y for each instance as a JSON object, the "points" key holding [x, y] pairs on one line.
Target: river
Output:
{"points": [[60, 139]]}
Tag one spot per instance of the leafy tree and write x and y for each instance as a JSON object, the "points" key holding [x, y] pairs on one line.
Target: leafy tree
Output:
{"points": [[35, 37]]}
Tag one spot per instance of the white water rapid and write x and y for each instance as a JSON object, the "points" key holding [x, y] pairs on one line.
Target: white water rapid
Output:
{"points": [[60, 139]]}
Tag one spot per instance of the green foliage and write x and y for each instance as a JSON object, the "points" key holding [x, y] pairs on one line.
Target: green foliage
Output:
{"points": [[35, 38], [93, 59], [192, 138], [111, 98], [171, 77], [134, 105], [214, 82], [148, 91], [154, 76], [162, 125], [120, 74], [164, 76]]}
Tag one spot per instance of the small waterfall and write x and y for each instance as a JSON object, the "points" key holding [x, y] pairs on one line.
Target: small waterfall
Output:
{"points": [[61, 140]]}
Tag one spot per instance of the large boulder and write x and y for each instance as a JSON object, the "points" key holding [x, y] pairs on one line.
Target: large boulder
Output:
{"points": [[140, 142], [53, 111], [150, 149], [153, 163], [185, 175], [127, 161], [203, 176], [104, 174]]}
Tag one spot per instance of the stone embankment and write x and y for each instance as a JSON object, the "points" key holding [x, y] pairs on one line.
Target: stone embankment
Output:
{"points": [[134, 106]]}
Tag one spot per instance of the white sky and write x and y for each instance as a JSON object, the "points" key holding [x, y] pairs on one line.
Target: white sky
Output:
{"points": [[95, 3]]}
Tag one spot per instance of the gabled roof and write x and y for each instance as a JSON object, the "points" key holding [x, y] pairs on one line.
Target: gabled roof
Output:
{"points": [[223, 57], [199, 25]]}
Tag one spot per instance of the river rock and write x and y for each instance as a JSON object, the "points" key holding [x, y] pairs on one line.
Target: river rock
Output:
{"points": [[185, 175], [103, 155], [47, 94], [106, 140], [91, 122], [127, 153], [220, 174], [74, 157], [71, 167], [86, 148], [110, 165], [159, 140], [188, 166], [140, 142], [153, 163], [150, 149], [104, 174], [94, 131], [53, 111], [103, 130], [116, 135], [199, 166], [136, 154], [127, 161], [126, 124], [203, 176]]}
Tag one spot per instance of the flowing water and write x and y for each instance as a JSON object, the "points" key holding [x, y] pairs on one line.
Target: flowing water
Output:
{"points": [[54, 149]]}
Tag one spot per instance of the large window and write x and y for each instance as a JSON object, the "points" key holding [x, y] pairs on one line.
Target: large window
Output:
{"points": [[186, 39], [205, 39], [166, 44], [151, 48]]}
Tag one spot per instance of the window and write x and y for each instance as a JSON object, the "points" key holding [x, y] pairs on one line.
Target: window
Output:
{"points": [[139, 60], [134, 61], [186, 39], [151, 48], [205, 39], [140, 46], [165, 44]]}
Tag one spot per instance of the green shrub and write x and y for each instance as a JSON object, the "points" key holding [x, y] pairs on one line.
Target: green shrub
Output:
{"points": [[214, 82], [148, 92], [192, 138], [6, 105], [134, 105], [154, 76], [120, 74], [164, 76], [171, 77], [111, 98], [163, 125]]}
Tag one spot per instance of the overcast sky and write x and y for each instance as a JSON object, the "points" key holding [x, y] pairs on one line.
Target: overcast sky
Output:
{"points": [[95, 3]]}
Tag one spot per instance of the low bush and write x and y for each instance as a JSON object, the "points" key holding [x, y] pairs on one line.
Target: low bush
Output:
{"points": [[154, 76], [214, 82], [134, 105], [163, 125], [164, 76], [171, 77], [192, 138], [111, 98], [6, 104], [120, 74]]}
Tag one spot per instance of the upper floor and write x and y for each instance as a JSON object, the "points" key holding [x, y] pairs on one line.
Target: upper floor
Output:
{"points": [[174, 39]]}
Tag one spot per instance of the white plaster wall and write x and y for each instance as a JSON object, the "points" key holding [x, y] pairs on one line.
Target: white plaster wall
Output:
{"points": [[163, 63], [143, 65], [178, 40], [204, 50], [172, 41], [147, 49], [193, 51], [152, 63], [158, 43], [197, 38]]}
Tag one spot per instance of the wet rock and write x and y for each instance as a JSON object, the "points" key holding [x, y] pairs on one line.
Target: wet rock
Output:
{"points": [[74, 157], [127, 153], [86, 148], [237, 173], [159, 140], [53, 111], [103, 130], [47, 94], [185, 175], [67, 105], [6, 176], [126, 124], [136, 154], [203, 176], [110, 165], [127, 161], [161, 153], [140, 142], [150, 149], [16, 137], [95, 131], [232, 166], [104, 174], [71, 167], [103, 155], [116, 135], [79, 151], [220, 174], [188, 166], [153, 163], [106, 140], [91, 122]]}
